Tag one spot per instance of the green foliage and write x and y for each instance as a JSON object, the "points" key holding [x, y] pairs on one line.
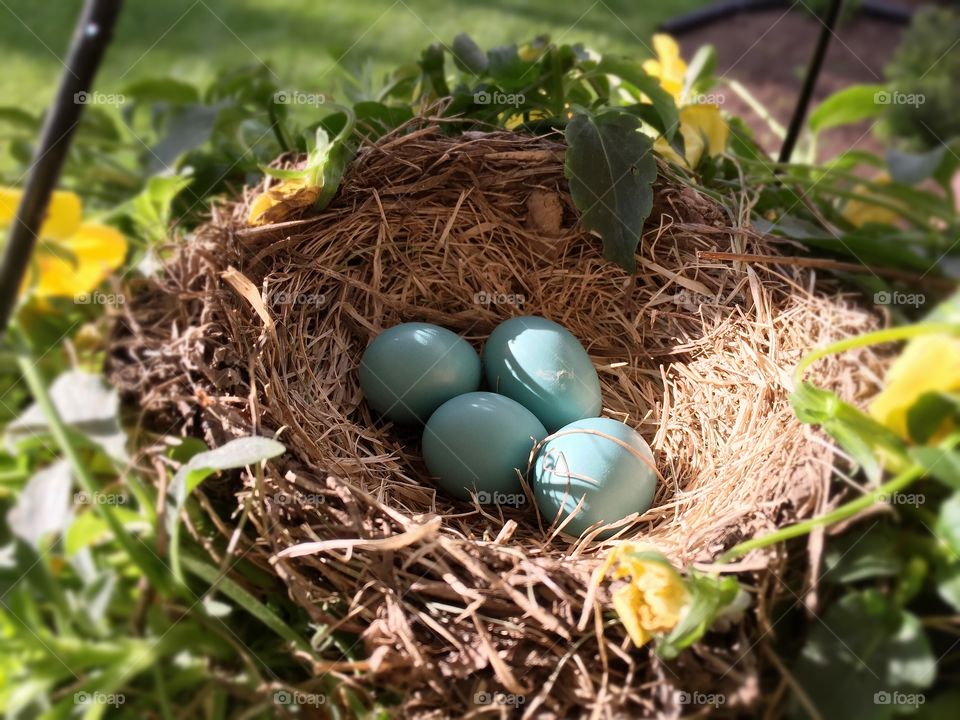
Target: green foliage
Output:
{"points": [[926, 67]]}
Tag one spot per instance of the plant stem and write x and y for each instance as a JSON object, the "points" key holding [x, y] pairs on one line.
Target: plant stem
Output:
{"points": [[905, 478], [90, 39], [810, 81]]}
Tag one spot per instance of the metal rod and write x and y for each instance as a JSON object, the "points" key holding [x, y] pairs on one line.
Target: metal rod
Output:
{"points": [[810, 81], [91, 36]]}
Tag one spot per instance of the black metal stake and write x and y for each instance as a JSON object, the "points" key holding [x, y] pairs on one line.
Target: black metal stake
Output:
{"points": [[810, 81], [91, 36]]}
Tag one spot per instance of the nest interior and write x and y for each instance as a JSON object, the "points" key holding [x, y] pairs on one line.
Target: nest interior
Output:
{"points": [[261, 330]]}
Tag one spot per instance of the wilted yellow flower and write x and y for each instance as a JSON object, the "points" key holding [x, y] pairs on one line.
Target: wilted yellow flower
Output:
{"points": [[654, 599], [704, 131], [277, 203], [71, 257], [929, 363], [860, 212], [668, 67]]}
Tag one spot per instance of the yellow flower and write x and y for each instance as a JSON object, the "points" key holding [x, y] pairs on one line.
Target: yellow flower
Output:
{"points": [[860, 212], [929, 363], [704, 131], [654, 599], [669, 67], [71, 257], [279, 202]]}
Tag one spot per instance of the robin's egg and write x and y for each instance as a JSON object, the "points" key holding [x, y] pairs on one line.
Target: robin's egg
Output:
{"points": [[481, 442], [602, 461], [542, 366], [410, 370]]}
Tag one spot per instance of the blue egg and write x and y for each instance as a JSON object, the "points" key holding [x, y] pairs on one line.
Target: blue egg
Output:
{"points": [[479, 442], [542, 366], [585, 460], [410, 370]]}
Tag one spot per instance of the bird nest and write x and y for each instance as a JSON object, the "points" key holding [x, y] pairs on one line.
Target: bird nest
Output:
{"points": [[452, 607]]}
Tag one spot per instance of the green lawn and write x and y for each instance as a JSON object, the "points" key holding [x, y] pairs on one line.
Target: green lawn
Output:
{"points": [[299, 39]]}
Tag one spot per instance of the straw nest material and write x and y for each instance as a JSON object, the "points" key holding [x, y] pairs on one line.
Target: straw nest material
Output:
{"points": [[261, 331]]}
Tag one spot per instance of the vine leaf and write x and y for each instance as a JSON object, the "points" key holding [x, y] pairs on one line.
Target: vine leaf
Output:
{"points": [[611, 168]]}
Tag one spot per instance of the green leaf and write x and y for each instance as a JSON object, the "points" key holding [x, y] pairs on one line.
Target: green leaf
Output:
{"points": [[854, 556], [710, 595], [90, 529], [948, 523], [43, 506], [168, 90], [186, 130], [468, 56], [948, 583], [150, 209], [939, 463], [701, 70], [863, 647], [633, 73], [860, 435], [235, 454], [913, 168], [850, 105], [611, 169]]}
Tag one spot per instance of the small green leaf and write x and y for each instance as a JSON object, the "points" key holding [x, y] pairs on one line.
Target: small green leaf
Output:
{"points": [[850, 105], [710, 595], [913, 168], [235, 454], [167, 90], [90, 529], [468, 55], [611, 169]]}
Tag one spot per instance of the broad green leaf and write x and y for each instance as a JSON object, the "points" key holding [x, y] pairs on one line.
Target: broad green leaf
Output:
{"points": [[85, 404], [43, 507], [926, 417], [468, 55], [611, 169], [948, 523], [150, 210], [939, 463], [850, 105], [853, 557], [913, 168], [863, 646], [633, 73]]}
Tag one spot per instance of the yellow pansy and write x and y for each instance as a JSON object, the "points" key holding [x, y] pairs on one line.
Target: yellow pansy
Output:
{"points": [[655, 597], [929, 363], [668, 67], [861, 212], [703, 130], [280, 201], [71, 257]]}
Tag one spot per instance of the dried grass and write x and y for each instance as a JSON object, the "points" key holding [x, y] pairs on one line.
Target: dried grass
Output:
{"points": [[262, 330]]}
